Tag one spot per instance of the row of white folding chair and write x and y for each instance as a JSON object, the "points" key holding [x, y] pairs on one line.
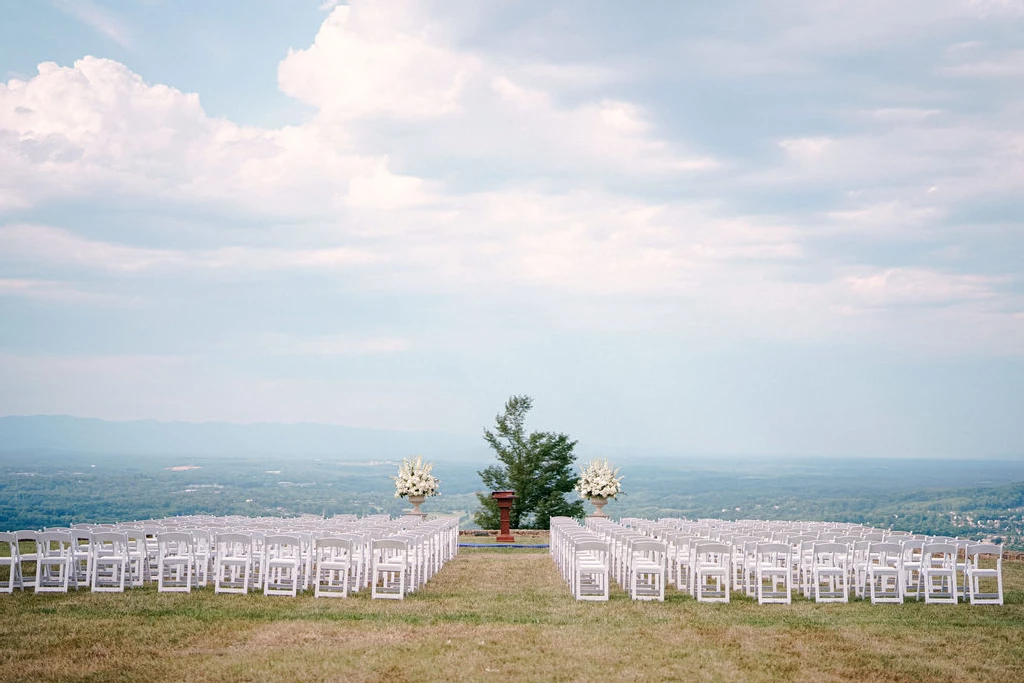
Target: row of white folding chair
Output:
{"points": [[404, 562], [640, 556], [565, 533], [142, 552], [47, 568], [399, 564], [834, 582], [360, 536], [561, 532], [823, 579], [582, 557], [278, 564], [701, 566], [620, 540], [63, 559], [928, 570], [41, 560], [892, 572]]}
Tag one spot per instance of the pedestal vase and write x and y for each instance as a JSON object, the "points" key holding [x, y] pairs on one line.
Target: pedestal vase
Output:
{"points": [[598, 502], [416, 502]]}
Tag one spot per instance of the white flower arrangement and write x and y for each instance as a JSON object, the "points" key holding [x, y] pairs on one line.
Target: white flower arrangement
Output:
{"points": [[599, 480], [414, 479]]}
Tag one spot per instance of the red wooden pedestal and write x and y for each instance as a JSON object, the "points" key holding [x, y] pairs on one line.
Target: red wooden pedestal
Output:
{"points": [[504, 500]]}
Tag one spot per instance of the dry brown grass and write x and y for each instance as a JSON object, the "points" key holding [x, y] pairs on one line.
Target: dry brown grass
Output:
{"points": [[492, 615]]}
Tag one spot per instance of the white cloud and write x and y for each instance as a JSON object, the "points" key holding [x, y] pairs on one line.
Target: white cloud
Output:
{"points": [[378, 62], [613, 133], [373, 59], [98, 128]]}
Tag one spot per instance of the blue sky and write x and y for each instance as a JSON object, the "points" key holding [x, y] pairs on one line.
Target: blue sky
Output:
{"points": [[683, 228]]}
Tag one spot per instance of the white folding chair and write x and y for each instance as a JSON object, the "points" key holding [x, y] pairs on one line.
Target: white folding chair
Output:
{"points": [[979, 561], [334, 569], [233, 563], [110, 563], [175, 553], [26, 574], [884, 569], [938, 572], [711, 571], [390, 568], [773, 572], [591, 572], [830, 572], [53, 561], [647, 570], [282, 564], [910, 576]]}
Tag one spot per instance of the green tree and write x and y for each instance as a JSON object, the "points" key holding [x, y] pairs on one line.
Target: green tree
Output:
{"points": [[538, 466]]}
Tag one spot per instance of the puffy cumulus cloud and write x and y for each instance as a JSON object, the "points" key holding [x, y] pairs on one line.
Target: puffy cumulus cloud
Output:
{"points": [[373, 62], [374, 59], [98, 128]]}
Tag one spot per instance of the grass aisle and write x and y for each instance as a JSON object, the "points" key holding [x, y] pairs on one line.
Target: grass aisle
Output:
{"points": [[501, 615]]}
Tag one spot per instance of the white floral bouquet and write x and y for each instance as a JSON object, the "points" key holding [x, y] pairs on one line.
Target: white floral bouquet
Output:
{"points": [[599, 480], [414, 479]]}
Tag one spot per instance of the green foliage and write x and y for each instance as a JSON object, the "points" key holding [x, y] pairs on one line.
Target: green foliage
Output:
{"points": [[537, 466]]}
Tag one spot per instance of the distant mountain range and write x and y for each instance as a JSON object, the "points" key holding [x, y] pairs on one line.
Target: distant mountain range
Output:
{"points": [[65, 433]]}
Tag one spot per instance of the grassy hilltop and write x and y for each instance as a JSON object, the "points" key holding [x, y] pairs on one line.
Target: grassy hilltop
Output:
{"points": [[502, 615]]}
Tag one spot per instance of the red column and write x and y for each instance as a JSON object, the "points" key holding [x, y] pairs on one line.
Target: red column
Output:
{"points": [[504, 500]]}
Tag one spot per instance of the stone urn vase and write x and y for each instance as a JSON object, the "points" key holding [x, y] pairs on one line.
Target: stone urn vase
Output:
{"points": [[416, 502], [598, 502]]}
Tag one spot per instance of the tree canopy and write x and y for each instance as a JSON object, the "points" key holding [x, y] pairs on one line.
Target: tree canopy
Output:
{"points": [[538, 466]]}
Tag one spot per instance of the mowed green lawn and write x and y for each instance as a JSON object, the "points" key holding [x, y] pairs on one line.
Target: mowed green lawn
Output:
{"points": [[502, 615]]}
